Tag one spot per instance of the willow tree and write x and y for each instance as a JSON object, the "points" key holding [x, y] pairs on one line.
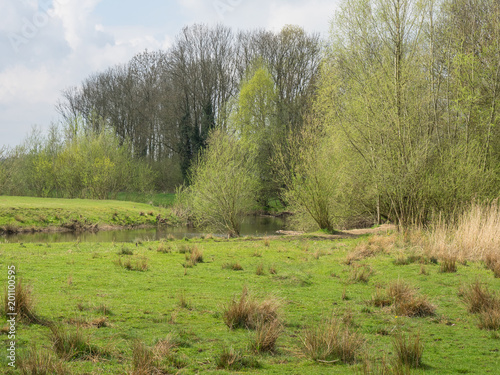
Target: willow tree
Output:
{"points": [[419, 113], [223, 184], [254, 121]]}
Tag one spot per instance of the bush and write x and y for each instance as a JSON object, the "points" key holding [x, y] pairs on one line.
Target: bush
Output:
{"points": [[224, 185]]}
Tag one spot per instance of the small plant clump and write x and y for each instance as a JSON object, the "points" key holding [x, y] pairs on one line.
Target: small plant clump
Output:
{"points": [[71, 345], [480, 300], [267, 333], [139, 264], [409, 350], [246, 312], [360, 273], [330, 343], [236, 266], [41, 362], [404, 299], [24, 305], [231, 359], [164, 248], [448, 264]]}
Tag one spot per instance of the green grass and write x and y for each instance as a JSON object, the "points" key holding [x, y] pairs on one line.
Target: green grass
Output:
{"points": [[27, 213], [146, 306], [155, 199]]}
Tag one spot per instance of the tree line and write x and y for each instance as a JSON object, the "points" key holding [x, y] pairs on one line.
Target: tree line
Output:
{"points": [[393, 118], [167, 102], [403, 125]]}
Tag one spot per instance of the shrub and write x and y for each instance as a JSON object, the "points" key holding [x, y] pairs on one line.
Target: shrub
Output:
{"points": [[224, 185], [330, 342], [408, 350]]}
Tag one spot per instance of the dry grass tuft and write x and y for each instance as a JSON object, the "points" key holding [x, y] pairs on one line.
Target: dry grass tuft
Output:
{"points": [[375, 245], [360, 273], [267, 242], [153, 361], [137, 264], [479, 298], [492, 262], [41, 362], [164, 248], [330, 342], [474, 236], [408, 350], [21, 302], [231, 359], [381, 299], [405, 300], [183, 302], [248, 313], [266, 335], [236, 266], [259, 271], [70, 345], [196, 255], [448, 264]]}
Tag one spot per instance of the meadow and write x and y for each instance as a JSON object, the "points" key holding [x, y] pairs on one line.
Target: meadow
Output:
{"points": [[34, 214], [310, 304]]}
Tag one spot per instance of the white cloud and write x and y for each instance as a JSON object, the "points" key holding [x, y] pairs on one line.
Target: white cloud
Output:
{"points": [[75, 19], [312, 15], [75, 40]]}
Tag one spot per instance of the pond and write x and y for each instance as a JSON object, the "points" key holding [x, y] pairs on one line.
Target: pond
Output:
{"points": [[251, 226]]}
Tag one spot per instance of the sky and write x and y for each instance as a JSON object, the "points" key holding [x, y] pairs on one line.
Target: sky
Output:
{"points": [[47, 46]]}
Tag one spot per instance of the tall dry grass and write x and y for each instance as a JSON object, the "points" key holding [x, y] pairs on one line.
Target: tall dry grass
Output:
{"points": [[474, 236]]}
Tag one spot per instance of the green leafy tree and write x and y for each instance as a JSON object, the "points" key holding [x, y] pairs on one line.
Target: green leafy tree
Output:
{"points": [[254, 121], [223, 184]]}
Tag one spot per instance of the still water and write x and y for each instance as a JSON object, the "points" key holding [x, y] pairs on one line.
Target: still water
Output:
{"points": [[252, 226]]}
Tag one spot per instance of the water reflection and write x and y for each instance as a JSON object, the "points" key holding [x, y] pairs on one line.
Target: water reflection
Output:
{"points": [[252, 226]]}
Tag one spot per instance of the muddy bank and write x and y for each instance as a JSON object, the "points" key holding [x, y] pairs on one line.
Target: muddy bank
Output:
{"points": [[74, 226]]}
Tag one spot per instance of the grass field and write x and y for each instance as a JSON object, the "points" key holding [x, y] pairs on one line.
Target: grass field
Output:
{"points": [[155, 199], [24, 213], [163, 306]]}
